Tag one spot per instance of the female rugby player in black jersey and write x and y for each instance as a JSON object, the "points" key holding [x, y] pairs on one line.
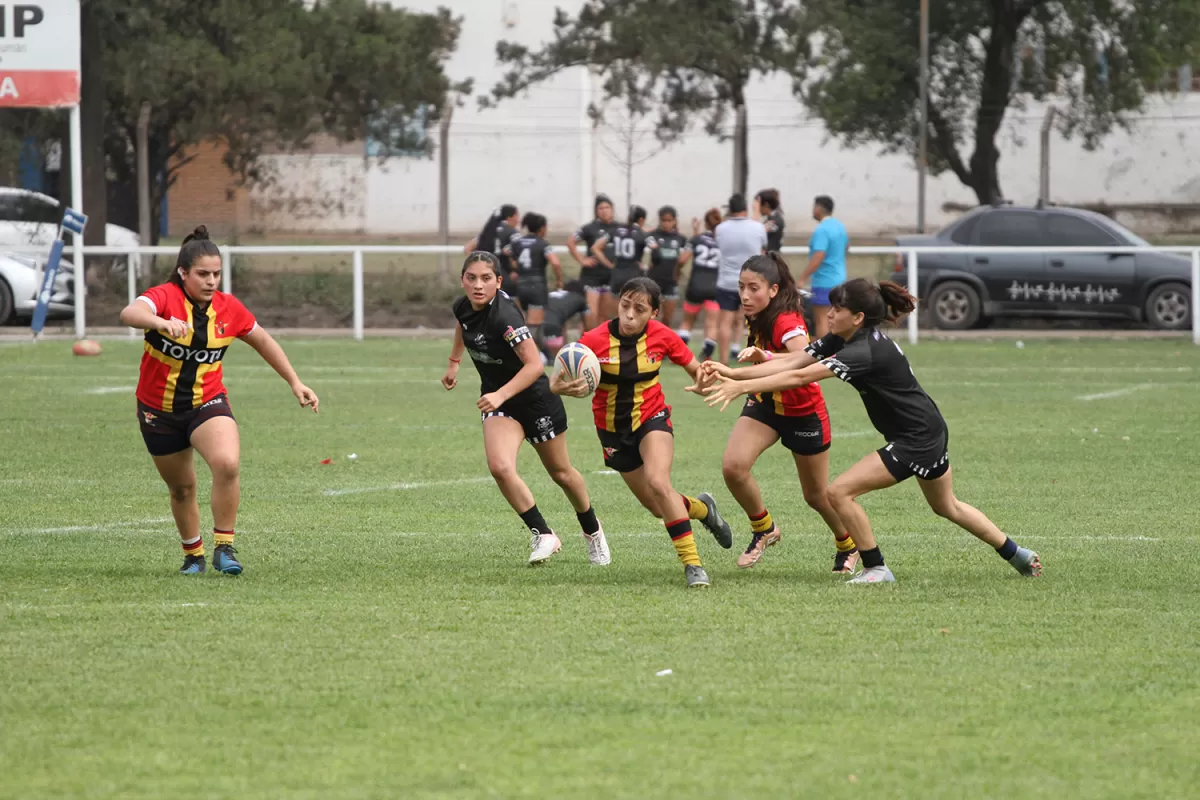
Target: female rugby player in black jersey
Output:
{"points": [[859, 353], [516, 403]]}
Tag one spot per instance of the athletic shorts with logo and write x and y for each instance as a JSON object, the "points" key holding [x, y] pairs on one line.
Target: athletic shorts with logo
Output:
{"points": [[166, 432], [927, 462], [808, 435], [622, 449], [541, 415]]}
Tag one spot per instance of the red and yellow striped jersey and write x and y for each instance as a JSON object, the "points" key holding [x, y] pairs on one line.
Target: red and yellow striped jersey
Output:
{"points": [[629, 392], [798, 402], [183, 374]]}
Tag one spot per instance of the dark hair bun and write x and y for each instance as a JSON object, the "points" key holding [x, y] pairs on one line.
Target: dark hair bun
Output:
{"points": [[201, 232]]}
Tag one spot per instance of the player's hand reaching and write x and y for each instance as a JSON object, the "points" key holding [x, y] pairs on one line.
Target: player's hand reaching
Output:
{"points": [[450, 379], [172, 328], [561, 386], [490, 402], [755, 355], [725, 393], [306, 396]]}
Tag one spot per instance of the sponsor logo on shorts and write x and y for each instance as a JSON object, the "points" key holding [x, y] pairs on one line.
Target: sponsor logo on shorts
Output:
{"points": [[609, 452], [659, 415], [806, 433], [544, 424], [216, 401], [149, 417]]}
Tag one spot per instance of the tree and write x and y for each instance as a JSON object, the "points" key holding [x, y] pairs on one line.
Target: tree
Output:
{"points": [[697, 57], [858, 70], [257, 75]]}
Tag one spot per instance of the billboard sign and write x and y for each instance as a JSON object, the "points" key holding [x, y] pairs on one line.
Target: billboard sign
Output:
{"points": [[39, 54]]}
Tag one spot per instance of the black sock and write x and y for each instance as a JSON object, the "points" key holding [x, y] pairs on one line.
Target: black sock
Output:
{"points": [[709, 348], [587, 520], [534, 520], [871, 558], [1008, 549]]}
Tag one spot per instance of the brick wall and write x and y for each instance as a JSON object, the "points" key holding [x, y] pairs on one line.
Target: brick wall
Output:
{"points": [[206, 193]]}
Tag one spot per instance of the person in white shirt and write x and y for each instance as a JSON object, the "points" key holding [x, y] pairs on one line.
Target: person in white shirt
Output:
{"points": [[739, 239]]}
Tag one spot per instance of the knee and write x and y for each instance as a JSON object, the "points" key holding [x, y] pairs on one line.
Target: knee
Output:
{"points": [[502, 471], [817, 498], [947, 509], [836, 495], [224, 469], [183, 492], [661, 488], [563, 476], [734, 470]]}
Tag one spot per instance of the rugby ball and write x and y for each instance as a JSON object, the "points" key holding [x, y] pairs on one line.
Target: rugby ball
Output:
{"points": [[86, 347], [578, 361]]}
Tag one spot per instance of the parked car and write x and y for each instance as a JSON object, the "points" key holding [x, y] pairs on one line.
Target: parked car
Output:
{"points": [[31, 219], [966, 290], [20, 282]]}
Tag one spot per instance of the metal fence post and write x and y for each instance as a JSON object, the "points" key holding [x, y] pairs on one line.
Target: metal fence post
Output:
{"points": [[358, 294], [226, 271], [131, 262], [912, 288], [1196, 297]]}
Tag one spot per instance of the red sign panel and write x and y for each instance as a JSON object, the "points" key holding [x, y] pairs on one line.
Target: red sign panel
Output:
{"points": [[38, 88]]}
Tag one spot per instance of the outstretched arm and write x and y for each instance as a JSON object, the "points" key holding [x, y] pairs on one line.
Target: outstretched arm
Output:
{"points": [[728, 391], [273, 354]]}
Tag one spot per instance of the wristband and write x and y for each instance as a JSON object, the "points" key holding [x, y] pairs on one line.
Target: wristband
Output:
{"points": [[456, 360]]}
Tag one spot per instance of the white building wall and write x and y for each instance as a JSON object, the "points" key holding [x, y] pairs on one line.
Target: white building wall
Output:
{"points": [[542, 153]]}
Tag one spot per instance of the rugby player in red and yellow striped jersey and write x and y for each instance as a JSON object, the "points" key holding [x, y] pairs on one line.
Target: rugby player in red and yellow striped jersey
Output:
{"points": [[633, 419], [181, 400]]}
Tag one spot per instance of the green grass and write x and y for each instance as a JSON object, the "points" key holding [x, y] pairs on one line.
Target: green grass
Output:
{"points": [[392, 642]]}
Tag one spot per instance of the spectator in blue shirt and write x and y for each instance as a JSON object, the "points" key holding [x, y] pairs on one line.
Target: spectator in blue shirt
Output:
{"points": [[826, 261]]}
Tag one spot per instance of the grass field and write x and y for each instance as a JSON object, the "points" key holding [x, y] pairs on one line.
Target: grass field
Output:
{"points": [[388, 640]]}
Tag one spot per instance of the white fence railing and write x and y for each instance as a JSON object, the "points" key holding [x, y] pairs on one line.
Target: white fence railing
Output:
{"points": [[911, 254]]}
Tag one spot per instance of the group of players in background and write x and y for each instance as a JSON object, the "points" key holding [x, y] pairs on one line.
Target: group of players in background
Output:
{"points": [[736, 271]]}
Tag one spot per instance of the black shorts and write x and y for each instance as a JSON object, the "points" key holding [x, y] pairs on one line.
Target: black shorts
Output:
{"points": [[701, 289], [669, 287], [542, 415], [621, 276], [531, 292], [595, 279], [622, 449], [804, 436], [728, 300], [926, 465], [167, 432]]}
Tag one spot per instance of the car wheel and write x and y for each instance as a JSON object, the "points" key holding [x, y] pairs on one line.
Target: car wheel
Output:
{"points": [[6, 303], [954, 305], [1169, 307]]}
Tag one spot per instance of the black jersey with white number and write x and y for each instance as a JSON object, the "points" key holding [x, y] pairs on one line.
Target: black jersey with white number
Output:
{"points": [[491, 336], [591, 233], [528, 254], [626, 245], [664, 258], [897, 405], [773, 222]]}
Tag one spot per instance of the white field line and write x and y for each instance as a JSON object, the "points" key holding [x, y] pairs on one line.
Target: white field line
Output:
{"points": [[1117, 392], [403, 487], [105, 526], [111, 390]]}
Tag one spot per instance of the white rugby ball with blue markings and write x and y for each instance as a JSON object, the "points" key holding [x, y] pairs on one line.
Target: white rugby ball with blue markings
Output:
{"points": [[578, 361]]}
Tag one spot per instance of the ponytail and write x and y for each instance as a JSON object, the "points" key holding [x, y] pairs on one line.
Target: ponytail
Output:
{"points": [[195, 245], [774, 270], [877, 302]]}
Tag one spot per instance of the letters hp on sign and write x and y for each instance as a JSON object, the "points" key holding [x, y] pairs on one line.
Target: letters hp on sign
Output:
{"points": [[39, 54]]}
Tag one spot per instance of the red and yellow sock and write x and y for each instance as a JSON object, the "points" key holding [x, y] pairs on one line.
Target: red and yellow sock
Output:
{"points": [[221, 537], [845, 543], [761, 522], [695, 509], [195, 547], [680, 532]]}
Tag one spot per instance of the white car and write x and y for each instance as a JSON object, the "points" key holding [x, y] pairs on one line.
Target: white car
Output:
{"points": [[31, 219], [20, 282]]}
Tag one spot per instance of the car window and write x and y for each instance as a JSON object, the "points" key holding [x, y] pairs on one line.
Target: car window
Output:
{"points": [[964, 231], [34, 209], [1011, 229], [1065, 230], [8, 207]]}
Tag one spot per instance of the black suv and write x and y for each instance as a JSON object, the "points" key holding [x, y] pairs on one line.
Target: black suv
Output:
{"points": [[965, 290]]}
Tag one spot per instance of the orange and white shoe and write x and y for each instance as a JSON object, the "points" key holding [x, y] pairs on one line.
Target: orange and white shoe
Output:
{"points": [[758, 545], [542, 546], [845, 562]]}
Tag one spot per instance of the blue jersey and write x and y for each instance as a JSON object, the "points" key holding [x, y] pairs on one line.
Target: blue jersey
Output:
{"points": [[831, 239]]}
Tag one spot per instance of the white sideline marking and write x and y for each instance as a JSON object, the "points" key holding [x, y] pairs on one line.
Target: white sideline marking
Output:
{"points": [[110, 390], [606, 472], [1116, 392], [402, 487], [856, 434], [108, 526]]}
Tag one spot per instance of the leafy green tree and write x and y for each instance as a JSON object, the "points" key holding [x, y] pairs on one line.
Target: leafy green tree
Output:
{"points": [[858, 70]]}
